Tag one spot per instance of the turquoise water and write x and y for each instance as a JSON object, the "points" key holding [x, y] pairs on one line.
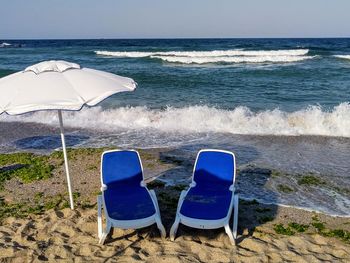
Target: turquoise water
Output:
{"points": [[277, 103]]}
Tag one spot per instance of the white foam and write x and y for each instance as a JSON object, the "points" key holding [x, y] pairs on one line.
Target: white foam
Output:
{"points": [[237, 59], [198, 54], [193, 119], [217, 56], [343, 56], [4, 44], [135, 54]]}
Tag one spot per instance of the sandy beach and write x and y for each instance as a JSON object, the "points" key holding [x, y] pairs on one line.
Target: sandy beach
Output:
{"points": [[36, 224], [66, 235]]}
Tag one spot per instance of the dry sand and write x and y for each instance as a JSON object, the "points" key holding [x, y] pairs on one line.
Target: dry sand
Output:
{"points": [[64, 236]]}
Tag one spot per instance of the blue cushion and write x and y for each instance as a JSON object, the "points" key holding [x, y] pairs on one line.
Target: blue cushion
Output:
{"points": [[211, 197], [125, 202], [125, 199], [121, 167], [210, 203], [214, 168]]}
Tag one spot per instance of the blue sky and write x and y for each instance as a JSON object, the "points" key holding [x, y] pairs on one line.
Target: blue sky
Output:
{"points": [[33, 19]]}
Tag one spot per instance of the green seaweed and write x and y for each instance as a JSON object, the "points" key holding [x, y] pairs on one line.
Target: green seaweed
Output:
{"points": [[315, 218], [172, 159], [168, 200], [92, 167], [319, 226], [73, 154], [280, 229], [87, 205], [310, 180], [298, 227], [275, 173], [284, 188], [75, 195], [341, 234], [338, 233], [179, 187], [292, 228], [22, 210], [97, 193], [156, 184], [38, 196], [27, 167]]}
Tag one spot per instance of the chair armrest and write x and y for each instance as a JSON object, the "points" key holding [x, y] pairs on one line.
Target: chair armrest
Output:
{"points": [[232, 188], [103, 187], [193, 184], [143, 184]]}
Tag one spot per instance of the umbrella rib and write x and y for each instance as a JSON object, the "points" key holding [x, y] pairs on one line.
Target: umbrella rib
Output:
{"points": [[76, 92]]}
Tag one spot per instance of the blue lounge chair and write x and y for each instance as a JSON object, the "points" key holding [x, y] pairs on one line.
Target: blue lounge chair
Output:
{"points": [[126, 201], [211, 197]]}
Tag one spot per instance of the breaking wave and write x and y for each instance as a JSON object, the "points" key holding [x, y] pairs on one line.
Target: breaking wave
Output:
{"points": [[203, 119], [343, 56], [237, 59], [215, 56], [213, 53]]}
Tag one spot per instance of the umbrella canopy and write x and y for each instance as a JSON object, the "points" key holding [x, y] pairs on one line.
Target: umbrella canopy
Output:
{"points": [[58, 85]]}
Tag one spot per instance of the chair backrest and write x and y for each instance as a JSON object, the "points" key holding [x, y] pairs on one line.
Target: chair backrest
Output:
{"points": [[214, 167], [120, 167]]}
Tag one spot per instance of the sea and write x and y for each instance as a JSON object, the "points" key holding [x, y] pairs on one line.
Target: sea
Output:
{"points": [[278, 104]]}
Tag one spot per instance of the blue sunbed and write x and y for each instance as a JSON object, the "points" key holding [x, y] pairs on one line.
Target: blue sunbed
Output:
{"points": [[127, 202], [211, 197]]}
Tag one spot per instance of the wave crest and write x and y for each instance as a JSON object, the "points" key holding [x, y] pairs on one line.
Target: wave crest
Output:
{"points": [[213, 53], [343, 56], [238, 59], [195, 119], [215, 56]]}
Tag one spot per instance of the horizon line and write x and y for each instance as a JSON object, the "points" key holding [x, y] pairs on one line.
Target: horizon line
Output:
{"points": [[174, 38]]}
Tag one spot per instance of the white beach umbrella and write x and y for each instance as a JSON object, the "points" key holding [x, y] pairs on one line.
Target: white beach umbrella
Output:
{"points": [[58, 85]]}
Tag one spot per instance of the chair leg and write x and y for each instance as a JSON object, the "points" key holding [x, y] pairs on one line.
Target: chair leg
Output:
{"points": [[160, 227], [158, 218], [105, 233], [174, 228], [235, 216], [230, 235], [99, 216]]}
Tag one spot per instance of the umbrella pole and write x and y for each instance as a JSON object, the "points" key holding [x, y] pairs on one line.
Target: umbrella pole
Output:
{"points": [[65, 159]]}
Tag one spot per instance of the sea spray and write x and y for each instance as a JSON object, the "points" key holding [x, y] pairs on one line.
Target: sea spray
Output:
{"points": [[204, 119]]}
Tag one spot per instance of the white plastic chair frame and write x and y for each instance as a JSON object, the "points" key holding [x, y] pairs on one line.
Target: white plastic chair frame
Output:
{"points": [[126, 224], [209, 224]]}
